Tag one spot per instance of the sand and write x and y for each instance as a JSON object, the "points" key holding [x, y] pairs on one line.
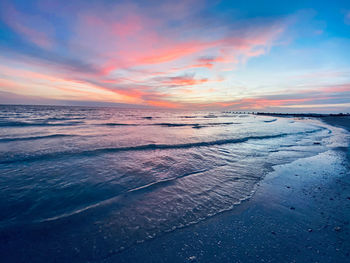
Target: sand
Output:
{"points": [[340, 121]]}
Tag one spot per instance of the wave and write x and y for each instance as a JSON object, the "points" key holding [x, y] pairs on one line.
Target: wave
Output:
{"points": [[149, 147], [35, 137], [138, 190], [75, 212], [270, 120], [40, 124], [210, 116], [194, 125], [160, 183], [169, 124], [64, 119], [172, 124], [117, 124], [222, 123], [140, 124], [188, 117]]}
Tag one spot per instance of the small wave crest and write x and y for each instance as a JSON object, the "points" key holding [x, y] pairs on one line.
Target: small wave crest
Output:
{"points": [[267, 121], [138, 190], [40, 124], [170, 124], [35, 137], [194, 125], [117, 124], [150, 147]]}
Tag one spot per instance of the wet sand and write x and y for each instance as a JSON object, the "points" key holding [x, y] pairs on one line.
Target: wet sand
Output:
{"points": [[339, 121], [300, 213]]}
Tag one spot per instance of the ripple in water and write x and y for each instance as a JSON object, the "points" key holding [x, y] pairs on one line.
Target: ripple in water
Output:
{"points": [[120, 177]]}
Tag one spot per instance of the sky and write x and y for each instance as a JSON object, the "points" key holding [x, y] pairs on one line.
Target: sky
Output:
{"points": [[281, 56]]}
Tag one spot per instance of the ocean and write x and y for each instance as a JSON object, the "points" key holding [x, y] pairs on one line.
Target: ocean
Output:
{"points": [[100, 180]]}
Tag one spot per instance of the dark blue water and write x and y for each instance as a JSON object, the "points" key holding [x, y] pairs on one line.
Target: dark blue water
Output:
{"points": [[85, 183]]}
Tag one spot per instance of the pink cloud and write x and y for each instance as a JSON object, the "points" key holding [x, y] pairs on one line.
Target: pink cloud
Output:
{"points": [[258, 103], [173, 52], [336, 88], [330, 89], [133, 39], [186, 80], [136, 53]]}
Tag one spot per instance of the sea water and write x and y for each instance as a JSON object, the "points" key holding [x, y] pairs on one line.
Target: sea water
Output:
{"points": [[100, 180]]}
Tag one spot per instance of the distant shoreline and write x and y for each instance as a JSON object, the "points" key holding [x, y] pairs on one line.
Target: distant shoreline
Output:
{"points": [[138, 107], [317, 115], [341, 120]]}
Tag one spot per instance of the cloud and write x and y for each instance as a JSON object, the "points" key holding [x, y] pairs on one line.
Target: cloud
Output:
{"points": [[334, 89], [332, 96], [157, 54], [163, 104], [31, 28], [184, 80]]}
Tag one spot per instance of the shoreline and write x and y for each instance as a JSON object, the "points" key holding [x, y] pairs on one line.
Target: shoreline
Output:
{"points": [[337, 120], [300, 212]]}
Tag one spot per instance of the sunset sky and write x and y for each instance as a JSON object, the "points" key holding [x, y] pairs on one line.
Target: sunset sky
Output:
{"points": [[287, 56]]}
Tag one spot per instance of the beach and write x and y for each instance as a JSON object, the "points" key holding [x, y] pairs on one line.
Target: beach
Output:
{"points": [[111, 185], [300, 213], [174, 131]]}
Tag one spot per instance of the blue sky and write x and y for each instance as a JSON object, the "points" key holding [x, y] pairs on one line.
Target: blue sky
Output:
{"points": [[239, 55]]}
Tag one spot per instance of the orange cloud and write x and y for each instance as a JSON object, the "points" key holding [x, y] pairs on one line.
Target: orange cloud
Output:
{"points": [[136, 42], [173, 52], [186, 80], [133, 55]]}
